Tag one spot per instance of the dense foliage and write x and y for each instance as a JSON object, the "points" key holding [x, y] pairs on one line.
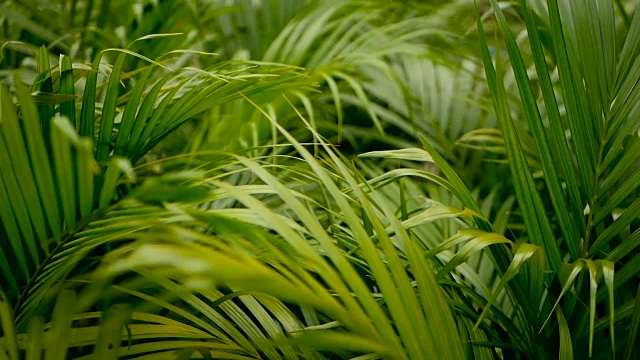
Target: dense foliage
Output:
{"points": [[245, 179]]}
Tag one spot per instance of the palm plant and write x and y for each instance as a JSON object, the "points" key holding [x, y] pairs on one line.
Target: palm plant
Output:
{"points": [[589, 231], [159, 216], [261, 239], [332, 41], [58, 185]]}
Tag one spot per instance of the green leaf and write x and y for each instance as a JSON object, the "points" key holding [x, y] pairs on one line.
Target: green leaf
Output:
{"points": [[39, 159], [129, 115], [629, 215], [522, 255], [8, 329], [335, 340], [35, 338], [17, 215], [45, 84], [629, 53], [569, 213], [87, 168], [124, 52], [117, 166], [608, 275], [41, 97], [63, 135], [86, 128], [103, 147], [575, 270], [135, 141], [594, 276], [566, 348], [635, 324], [67, 87], [476, 244], [58, 340], [108, 342], [360, 93], [458, 187], [614, 200], [534, 214], [413, 154], [23, 172], [337, 100], [573, 95], [626, 247]]}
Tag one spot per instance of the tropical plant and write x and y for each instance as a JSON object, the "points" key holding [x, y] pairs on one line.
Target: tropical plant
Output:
{"points": [[314, 191], [586, 220]]}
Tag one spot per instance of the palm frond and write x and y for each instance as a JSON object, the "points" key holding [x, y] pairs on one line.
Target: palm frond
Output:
{"points": [[586, 90]]}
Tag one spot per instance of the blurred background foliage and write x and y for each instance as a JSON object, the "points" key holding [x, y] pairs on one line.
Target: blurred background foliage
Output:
{"points": [[248, 179]]}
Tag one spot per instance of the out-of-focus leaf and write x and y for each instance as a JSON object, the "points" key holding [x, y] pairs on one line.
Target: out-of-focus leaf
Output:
{"points": [[414, 154]]}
